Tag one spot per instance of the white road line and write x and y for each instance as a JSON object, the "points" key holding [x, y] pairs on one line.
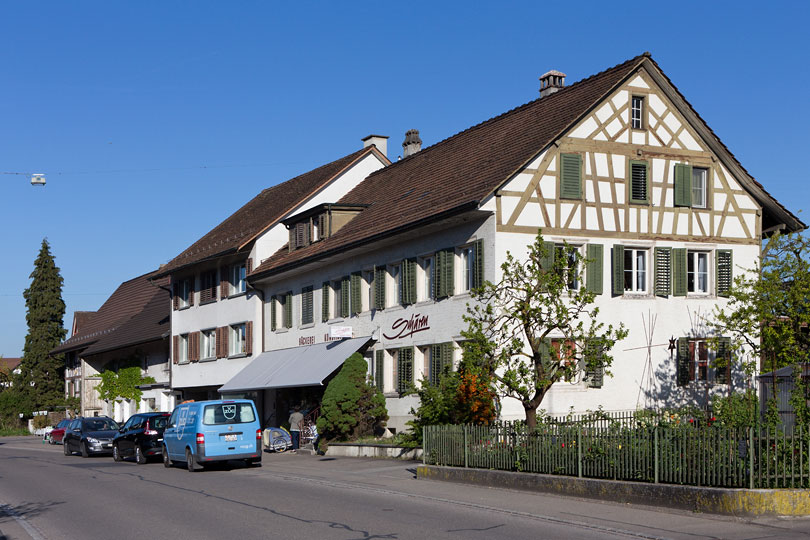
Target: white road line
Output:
{"points": [[22, 522]]}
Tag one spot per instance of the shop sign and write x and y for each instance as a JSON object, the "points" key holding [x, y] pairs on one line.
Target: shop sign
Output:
{"points": [[306, 340], [341, 331], [403, 328]]}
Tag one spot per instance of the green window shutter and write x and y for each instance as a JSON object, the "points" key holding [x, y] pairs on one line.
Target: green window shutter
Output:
{"points": [[409, 281], [679, 272], [593, 268], [379, 287], [272, 313], [288, 310], [683, 362], [478, 264], [447, 356], [356, 303], [345, 296], [663, 271], [404, 369], [547, 260], [325, 301], [724, 271], [595, 374], [683, 185], [570, 176], [435, 363], [639, 185], [449, 267], [443, 276], [379, 360], [618, 270], [722, 359], [306, 305]]}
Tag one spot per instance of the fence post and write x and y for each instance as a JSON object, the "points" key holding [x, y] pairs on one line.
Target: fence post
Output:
{"points": [[656, 455], [750, 458], [579, 452], [466, 446], [425, 432]]}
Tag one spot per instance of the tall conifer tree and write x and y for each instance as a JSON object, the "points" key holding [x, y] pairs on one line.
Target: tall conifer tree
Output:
{"points": [[40, 382]]}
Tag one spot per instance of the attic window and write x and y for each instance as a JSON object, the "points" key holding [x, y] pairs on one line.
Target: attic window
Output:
{"points": [[637, 113]]}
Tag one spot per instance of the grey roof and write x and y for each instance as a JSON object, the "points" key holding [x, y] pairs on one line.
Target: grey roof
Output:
{"points": [[298, 366]]}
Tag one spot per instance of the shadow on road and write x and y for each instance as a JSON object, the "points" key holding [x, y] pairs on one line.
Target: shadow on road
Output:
{"points": [[26, 510]]}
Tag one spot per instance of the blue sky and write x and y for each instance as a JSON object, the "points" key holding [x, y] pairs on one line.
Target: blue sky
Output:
{"points": [[153, 121]]}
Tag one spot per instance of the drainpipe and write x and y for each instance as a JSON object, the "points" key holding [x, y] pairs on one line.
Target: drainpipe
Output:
{"points": [[169, 334]]}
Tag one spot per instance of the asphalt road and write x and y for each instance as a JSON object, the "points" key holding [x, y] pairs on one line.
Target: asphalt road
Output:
{"points": [[46, 495]]}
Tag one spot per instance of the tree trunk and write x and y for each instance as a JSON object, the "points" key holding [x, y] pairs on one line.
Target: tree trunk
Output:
{"points": [[531, 416]]}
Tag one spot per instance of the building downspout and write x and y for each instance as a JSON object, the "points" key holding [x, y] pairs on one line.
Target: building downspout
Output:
{"points": [[169, 359]]}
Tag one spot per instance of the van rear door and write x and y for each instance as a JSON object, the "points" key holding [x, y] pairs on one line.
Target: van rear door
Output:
{"points": [[230, 428]]}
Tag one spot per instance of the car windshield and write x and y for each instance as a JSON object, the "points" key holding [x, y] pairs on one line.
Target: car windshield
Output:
{"points": [[228, 413], [99, 424]]}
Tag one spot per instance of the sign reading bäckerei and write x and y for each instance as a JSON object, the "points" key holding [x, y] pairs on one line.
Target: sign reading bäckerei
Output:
{"points": [[403, 328]]}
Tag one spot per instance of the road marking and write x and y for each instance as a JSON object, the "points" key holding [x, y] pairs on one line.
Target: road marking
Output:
{"points": [[22, 522]]}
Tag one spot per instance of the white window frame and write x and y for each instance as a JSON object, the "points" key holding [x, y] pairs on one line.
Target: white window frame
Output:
{"points": [[182, 352], [638, 286], [185, 292], [637, 112], [700, 191], [237, 342], [466, 257], [208, 344], [238, 273], [395, 275], [337, 302], [425, 287], [693, 276]]}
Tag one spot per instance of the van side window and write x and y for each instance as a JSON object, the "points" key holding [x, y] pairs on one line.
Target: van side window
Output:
{"points": [[173, 419]]}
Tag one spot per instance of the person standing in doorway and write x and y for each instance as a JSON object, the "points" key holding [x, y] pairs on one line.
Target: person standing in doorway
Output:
{"points": [[295, 427]]}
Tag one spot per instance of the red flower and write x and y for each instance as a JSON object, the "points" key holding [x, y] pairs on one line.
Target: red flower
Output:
{"points": [[691, 421], [563, 445]]}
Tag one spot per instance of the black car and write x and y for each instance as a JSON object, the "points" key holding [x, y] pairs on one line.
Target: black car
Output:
{"points": [[141, 437], [90, 435]]}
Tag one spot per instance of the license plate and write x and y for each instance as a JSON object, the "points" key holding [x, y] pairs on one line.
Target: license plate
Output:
{"points": [[230, 437]]}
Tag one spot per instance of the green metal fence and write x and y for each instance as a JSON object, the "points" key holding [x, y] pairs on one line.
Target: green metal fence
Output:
{"points": [[689, 455]]}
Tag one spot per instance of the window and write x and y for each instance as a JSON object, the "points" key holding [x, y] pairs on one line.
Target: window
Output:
{"points": [[699, 176], [570, 176], [404, 363], [698, 362], [569, 267], [287, 310], [697, 272], [326, 289], [441, 361], [638, 182], [182, 348], [426, 290], [566, 356], [337, 291], [183, 294], [306, 305], [208, 344], [407, 290], [300, 235], [368, 290], [237, 339], [238, 279], [379, 287], [466, 256], [637, 113], [396, 276], [629, 270], [208, 287]]}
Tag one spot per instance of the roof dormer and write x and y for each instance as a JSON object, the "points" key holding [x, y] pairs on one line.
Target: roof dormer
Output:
{"points": [[320, 222]]}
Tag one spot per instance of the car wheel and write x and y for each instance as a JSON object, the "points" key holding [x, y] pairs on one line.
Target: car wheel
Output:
{"points": [[85, 450], [166, 461], [66, 448], [140, 458], [116, 453], [190, 461]]}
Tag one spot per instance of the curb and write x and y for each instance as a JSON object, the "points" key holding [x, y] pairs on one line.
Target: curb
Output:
{"points": [[731, 501]]}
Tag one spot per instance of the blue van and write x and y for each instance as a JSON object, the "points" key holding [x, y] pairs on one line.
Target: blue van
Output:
{"points": [[201, 432]]}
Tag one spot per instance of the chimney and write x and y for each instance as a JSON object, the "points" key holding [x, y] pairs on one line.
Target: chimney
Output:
{"points": [[550, 82], [412, 143], [380, 141]]}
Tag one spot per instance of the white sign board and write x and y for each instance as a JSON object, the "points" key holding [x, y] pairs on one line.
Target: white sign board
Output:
{"points": [[340, 332]]}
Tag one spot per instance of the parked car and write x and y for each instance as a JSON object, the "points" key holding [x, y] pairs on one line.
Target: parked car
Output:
{"points": [[140, 437], [90, 435], [203, 432], [58, 432]]}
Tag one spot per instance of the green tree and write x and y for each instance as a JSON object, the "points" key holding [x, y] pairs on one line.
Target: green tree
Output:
{"points": [[535, 327], [351, 407], [121, 384], [40, 383]]}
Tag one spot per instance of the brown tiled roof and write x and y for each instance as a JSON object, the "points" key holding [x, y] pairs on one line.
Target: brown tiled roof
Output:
{"points": [[261, 212], [458, 172], [128, 300], [81, 319], [9, 363]]}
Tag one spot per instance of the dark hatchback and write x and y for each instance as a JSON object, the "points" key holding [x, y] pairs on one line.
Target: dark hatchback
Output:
{"points": [[141, 437], [90, 435]]}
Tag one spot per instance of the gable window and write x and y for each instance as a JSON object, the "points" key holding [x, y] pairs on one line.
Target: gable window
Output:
{"points": [[237, 281], [699, 176], [208, 344], [697, 272], [208, 287], [639, 191], [637, 112], [307, 306]]}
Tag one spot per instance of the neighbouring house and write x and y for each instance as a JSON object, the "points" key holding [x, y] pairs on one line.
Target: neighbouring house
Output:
{"points": [[8, 369], [130, 328], [216, 317], [618, 165]]}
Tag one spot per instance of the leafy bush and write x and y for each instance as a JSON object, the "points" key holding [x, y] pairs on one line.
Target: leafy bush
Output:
{"points": [[738, 410], [351, 407], [41, 421]]}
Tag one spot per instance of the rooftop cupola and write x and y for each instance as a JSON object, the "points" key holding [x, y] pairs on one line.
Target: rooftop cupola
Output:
{"points": [[551, 81], [412, 143]]}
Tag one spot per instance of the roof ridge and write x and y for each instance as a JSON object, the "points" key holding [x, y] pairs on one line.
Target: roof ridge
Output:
{"points": [[518, 108]]}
